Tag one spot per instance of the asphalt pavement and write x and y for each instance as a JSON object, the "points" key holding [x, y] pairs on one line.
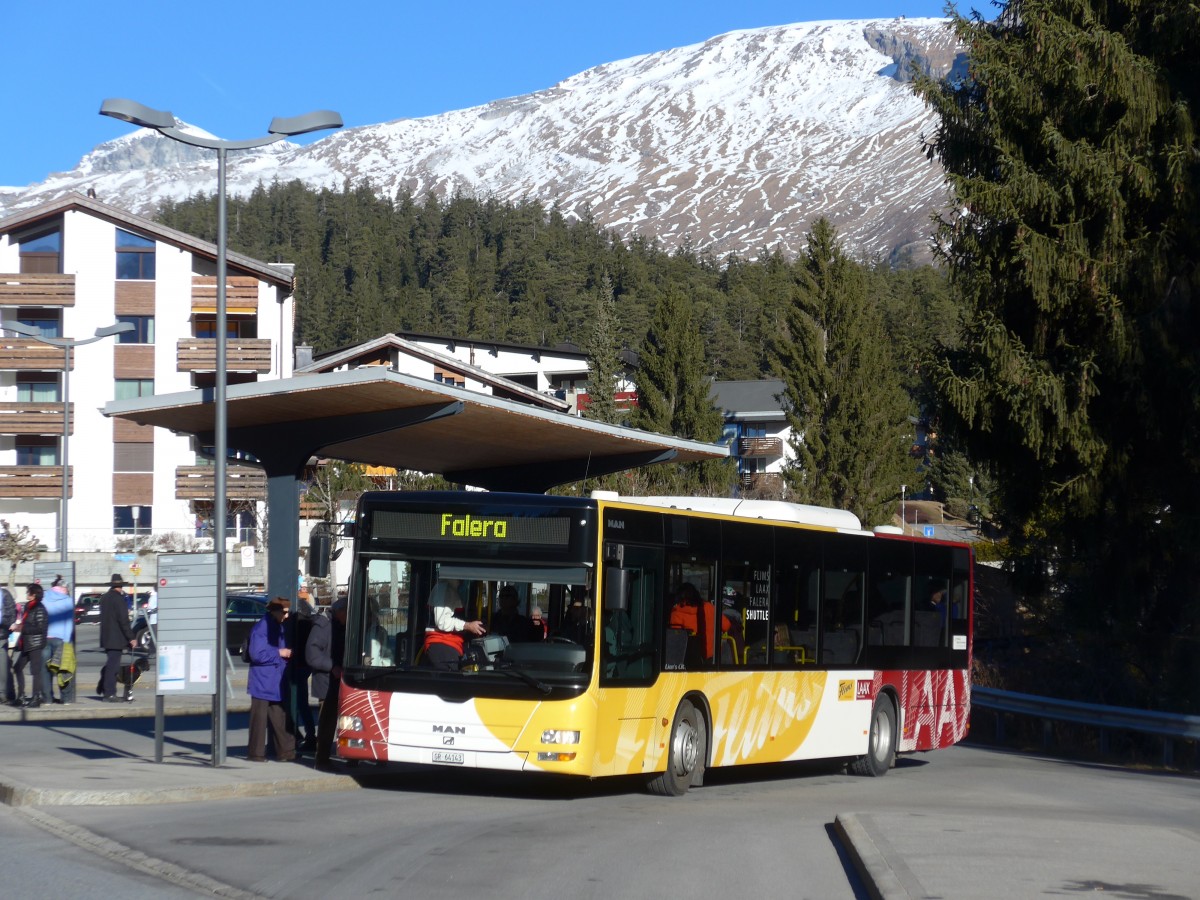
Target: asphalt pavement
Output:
{"points": [[91, 753]]}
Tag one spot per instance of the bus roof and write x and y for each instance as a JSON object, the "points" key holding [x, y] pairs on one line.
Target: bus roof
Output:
{"points": [[775, 510]]}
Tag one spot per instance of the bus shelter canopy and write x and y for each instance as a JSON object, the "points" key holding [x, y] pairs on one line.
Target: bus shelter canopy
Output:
{"points": [[381, 417]]}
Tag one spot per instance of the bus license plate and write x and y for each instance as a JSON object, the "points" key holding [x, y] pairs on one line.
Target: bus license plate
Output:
{"points": [[450, 757]]}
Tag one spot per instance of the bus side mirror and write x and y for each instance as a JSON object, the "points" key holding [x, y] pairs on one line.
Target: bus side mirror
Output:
{"points": [[618, 584], [319, 544]]}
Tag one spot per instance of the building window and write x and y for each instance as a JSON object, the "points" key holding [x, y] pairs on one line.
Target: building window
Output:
{"points": [[36, 450], [143, 330], [42, 254], [37, 387], [449, 378], [235, 327], [48, 322], [126, 522], [135, 256], [133, 457], [132, 388]]}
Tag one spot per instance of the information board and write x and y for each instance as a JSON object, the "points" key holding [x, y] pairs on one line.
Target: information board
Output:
{"points": [[186, 638]]}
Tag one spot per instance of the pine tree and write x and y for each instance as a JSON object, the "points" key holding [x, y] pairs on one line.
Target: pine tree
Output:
{"points": [[604, 363], [1071, 151], [844, 401]]}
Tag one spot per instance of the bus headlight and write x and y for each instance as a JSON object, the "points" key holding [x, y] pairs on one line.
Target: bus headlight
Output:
{"points": [[555, 736], [555, 757], [349, 723]]}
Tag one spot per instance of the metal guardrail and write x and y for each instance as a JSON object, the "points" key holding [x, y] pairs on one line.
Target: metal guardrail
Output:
{"points": [[1169, 726]]}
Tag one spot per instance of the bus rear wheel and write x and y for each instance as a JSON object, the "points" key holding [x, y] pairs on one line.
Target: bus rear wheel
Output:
{"points": [[686, 754], [881, 749]]}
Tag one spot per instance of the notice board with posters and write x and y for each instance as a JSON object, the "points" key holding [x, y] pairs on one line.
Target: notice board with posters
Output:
{"points": [[186, 637]]}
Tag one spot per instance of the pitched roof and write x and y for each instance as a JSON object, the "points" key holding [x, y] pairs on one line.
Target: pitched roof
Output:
{"points": [[276, 273]]}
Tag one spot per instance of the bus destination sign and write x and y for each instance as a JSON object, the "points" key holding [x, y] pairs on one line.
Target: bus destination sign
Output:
{"points": [[551, 531]]}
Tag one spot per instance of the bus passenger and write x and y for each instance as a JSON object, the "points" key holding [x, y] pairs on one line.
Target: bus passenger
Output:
{"points": [[541, 629], [510, 623], [686, 614], [578, 625], [444, 643]]}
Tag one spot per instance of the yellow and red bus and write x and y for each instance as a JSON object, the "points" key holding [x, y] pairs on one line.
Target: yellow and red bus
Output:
{"points": [[679, 634]]}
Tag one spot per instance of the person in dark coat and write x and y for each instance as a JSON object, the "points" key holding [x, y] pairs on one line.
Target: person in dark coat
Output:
{"points": [[115, 636], [34, 625], [267, 685], [324, 653], [8, 619]]}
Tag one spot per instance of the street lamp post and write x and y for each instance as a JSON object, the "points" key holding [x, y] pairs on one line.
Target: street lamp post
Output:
{"points": [[67, 345], [903, 522], [164, 123]]}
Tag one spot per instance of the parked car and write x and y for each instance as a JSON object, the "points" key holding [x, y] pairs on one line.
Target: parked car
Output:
{"points": [[87, 607], [242, 611]]}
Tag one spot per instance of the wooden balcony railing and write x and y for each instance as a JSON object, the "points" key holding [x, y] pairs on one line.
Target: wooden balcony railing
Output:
{"points": [[199, 483], [760, 446], [33, 418], [241, 293], [37, 290], [26, 353], [41, 482], [241, 355]]}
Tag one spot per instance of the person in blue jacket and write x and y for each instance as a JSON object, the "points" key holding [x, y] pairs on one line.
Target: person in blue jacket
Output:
{"points": [[267, 685]]}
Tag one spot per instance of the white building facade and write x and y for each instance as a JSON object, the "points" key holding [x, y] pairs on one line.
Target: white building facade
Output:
{"points": [[76, 265]]}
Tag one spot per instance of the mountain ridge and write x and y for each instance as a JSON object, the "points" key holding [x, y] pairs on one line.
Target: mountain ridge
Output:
{"points": [[734, 144]]}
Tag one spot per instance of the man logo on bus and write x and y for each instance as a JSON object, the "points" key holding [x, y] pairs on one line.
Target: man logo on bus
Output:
{"points": [[468, 527], [449, 729]]}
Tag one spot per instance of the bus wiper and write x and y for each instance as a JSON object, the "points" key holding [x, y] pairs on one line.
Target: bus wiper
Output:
{"points": [[513, 671]]}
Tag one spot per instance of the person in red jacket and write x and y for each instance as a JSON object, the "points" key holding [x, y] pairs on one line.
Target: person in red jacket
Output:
{"points": [[699, 618], [444, 643]]}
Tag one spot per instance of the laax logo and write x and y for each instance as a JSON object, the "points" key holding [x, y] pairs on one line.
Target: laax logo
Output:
{"points": [[449, 729], [863, 690]]}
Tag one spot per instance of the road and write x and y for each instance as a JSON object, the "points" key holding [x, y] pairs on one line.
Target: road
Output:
{"points": [[962, 822]]}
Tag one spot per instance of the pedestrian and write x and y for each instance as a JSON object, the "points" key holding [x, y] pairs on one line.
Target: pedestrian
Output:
{"points": [[267, 685], [34, 623], [298, 629], [324, 654], [115, 636], [8, 619], [61, 609]]}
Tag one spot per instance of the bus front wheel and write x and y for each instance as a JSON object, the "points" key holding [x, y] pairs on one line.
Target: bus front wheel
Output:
{"points": [[881, 748], [686, 754]]}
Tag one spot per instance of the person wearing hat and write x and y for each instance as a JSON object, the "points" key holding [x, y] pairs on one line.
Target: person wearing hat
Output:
{"points": [[324, 652], [267, 685], [115, 635]]}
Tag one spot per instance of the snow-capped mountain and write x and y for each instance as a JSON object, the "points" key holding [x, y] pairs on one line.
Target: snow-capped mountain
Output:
{"points": [[735, 144]]}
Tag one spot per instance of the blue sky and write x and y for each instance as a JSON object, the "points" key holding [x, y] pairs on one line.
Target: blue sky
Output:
{"points": [[230, 66]]}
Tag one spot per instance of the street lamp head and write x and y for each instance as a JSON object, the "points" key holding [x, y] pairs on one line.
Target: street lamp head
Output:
{"points": [[137, 114], [115, 328], [313, 121]]}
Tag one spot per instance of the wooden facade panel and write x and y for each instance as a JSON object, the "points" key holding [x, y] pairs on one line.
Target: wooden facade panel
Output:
{"points": [[199, 483], [241, 293], [241, 355], [133, 489], [37, 290], [33, 418], [133, 361], [127, 432], [134, 298], [40, 482], [26, 353]]}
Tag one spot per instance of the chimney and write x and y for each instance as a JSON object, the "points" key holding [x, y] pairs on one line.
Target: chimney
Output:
{"points": [[304, 356]]}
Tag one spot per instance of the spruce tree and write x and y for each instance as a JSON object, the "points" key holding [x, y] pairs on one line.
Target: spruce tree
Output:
{"points": [[604, 363], [842, 393], [1071, 152]]}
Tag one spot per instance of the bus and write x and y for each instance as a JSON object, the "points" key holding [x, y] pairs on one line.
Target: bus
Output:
{"points": [[679, 634]]}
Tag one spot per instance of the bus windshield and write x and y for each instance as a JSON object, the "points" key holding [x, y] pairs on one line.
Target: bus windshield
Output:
{"points": [[535, 620]]}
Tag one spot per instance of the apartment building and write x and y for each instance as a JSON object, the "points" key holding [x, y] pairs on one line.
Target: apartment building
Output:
{"points": [[757, 429], [76, 265]]}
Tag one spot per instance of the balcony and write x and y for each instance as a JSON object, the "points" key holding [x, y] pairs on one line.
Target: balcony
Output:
{"points": [[241, 294], [32, 418], [760, 446], [38, 482], [37, 290], [200, 483], [26, 353], [762, 485], [241, 355]]}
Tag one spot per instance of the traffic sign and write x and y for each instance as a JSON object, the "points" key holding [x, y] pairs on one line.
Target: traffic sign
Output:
{"points": [[929, 531]]}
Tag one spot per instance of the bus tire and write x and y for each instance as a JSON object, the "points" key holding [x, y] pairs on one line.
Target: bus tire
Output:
{"points": [[881, 748], [686, 754]]}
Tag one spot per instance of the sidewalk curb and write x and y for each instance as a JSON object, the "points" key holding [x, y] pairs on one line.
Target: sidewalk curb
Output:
{"points": [[21, 796], [880, 880], [134, 859], [134, 710]]}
